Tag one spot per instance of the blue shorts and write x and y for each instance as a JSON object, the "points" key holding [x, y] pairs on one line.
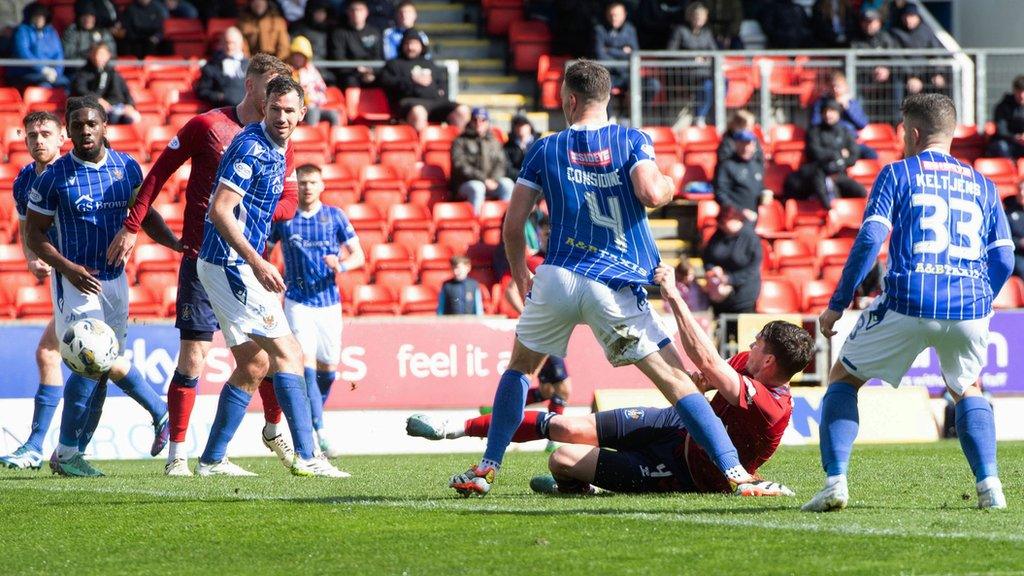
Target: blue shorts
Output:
{"points": [[553, 371], [195, 319], [642, 451]]}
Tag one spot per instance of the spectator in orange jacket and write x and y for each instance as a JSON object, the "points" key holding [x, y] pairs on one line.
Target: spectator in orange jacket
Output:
{"points": [[264, 28]]}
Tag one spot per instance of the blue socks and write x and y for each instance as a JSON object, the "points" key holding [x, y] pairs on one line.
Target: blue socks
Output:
{"points": [[316, 402], [324, 380], [230, 411], [507, 415], [99, 396], [78, 391], [136, 387], [47, 399], [707, 429], [838, 429], [291, 395], [976, 428]]}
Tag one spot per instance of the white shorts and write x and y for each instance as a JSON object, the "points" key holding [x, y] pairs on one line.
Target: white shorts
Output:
{"points": [[110, 305], [884, 345], [560, 299], [242, 305], [318, 330]]}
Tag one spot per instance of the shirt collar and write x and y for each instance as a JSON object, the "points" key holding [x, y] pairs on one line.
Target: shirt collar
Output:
{"points": [[313, 212], [597, 126], [93, 165], [263, 126]]}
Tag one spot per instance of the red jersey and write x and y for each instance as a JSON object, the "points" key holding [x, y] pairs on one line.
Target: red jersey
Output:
{"points": [[203, 140], [756, 425]]}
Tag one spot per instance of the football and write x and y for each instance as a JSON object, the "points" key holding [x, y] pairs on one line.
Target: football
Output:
{"points": [[89, 347]]}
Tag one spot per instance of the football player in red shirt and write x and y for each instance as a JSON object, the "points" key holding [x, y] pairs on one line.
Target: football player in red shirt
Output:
{"points": [[203, 140], [648, 449]]}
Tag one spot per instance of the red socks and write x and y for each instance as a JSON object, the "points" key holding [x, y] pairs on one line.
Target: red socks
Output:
{"points": [[271, 409], [181, 397], [527, 431]]}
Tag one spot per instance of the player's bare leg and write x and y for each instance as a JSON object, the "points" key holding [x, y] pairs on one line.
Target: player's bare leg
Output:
{"points": [[976, 430], [181, 398], [573, 468], [839, 423], [30, 454]]}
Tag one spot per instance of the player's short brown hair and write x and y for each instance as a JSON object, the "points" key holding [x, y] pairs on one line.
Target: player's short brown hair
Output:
{"points": [[792, 346], [261, 63], [40, 116], [282, 85], [308, 169], [932, 113], [588, 81]]}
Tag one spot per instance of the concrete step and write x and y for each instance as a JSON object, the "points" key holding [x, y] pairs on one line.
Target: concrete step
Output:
{"points": [[503, 119], [463, 48], [449, 29], [664, 228], [434, 12], [482, 66], [495, 84], [508, 102]]}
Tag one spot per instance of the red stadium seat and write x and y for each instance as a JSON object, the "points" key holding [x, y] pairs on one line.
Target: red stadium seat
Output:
{"points": [[794, 259], [500, 14], [492, 215], [33, 302], [369, 225], [437, 137], [373, 299], [434, 263], [456, 225], [12, 258], [808, 214], [410, 225], [173, 215], [418, 301], [529, 40], [156, 280], [154, 257], [353, 146], [707, 213], [499, 304], [771, 221], [392, 265], [780, 133], [834, 251], [777, 297], [968, 145], [775, 176], [143, 304], [1001, 171], [699, 138], [427, 184], [339, 198], [398, 145], [790, 158], [845, 217], [1011, 295], [348, 281], [37, 98], [865, 171], [309, 139], [381, 176], [10, 101], [367, 105], [550, 70], [815, 295]]}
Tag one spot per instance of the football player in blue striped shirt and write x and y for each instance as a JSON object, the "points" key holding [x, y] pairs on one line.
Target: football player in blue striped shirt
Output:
{"points": [[244, 288], [598, 180], [86, 195], [950, 252], [317, 243]]}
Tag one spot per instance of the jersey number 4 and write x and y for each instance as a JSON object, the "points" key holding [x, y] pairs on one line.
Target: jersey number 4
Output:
{"points": [[611, 220], [937, 223]]}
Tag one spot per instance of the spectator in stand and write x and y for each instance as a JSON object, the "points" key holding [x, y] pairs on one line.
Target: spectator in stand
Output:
{"points": [[36, 39], [143, 25], [414, 90], [357, 40], [181, 9], [695, 35], [830, 151], [292, 10], [655, 20], [106, 11], [461, 294], [739, 179], [209, 10], [832, 22], [740, 121], [912, 33], [301, 61], [732, 264], [520, 137], [871, 34], [725, 19], [81, 35], [786, 25], [264, 29], [405, 20], [478, 163], [1014, 206], [616, 39], [1008, 141], [12, 13], [382, 13], [222, 79], [99, 79], [693, 293], [573, 20], [852, 118], [316, 26]]}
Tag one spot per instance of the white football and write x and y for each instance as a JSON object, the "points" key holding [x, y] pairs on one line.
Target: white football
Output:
{"points": [[89, 347]]}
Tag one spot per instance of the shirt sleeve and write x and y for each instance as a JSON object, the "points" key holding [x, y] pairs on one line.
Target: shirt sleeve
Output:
{"points": [[756, 397], [134, 172], [275, 234], [641, 149], [20, 197], [288, 203], [178, 151], [43, 197], [530, 175], [239, 170], [344, 229], [998, 226], [880, 203]]}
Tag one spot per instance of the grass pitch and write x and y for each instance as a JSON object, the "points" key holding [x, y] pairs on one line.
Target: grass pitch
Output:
{"points": [[912, 513]]}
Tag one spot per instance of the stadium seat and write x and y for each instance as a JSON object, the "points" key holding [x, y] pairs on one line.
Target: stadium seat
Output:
{"points": [[187, 35], [8, 310], [1011, 295], [369, 224], [434, 264], [529, 39], [427, 185], [864, 171], [550, 70], [169, 300], [815, 295], [707, 213], [347, 282], [968, 145], [380, 176], [411, 225], [307, 138], [794, 259], [353, 146], [156, 280], [499, 304], [392, 265], [771, 221], [157, 138], [339, 198], [1001, 171], [143, 304], [398, 146], [173, 215], [500, 14], [436, 144], [12, 258], [373, 299], [125, 138], [418, 301], [775, 176], [845, 218], [37, 98], [808, 215], [153, 258], [833, 251], [492, 215], [783, 136], [456, 225], [33, 302], [367, 105], [778, 296], [10, 101]]}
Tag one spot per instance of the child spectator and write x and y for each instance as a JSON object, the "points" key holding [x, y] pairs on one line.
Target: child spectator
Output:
{"points": [[461, 294], [36, 39], [99, 79], [301, 61], [264, 29]]}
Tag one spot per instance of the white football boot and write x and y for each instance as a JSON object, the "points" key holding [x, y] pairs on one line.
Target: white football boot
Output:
{"points": [[279, 446], [317, 466], [177, 467], [834, 496], [990, 494], [223, 468]]}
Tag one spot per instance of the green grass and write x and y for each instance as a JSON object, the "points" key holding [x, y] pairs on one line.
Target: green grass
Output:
{"points": [[912, 512]]}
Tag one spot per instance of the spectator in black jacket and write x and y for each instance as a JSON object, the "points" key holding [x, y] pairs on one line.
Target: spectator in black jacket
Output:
{"points": [[1015, 216], [655, 20], [357, 40], [99, 78], [830, 151], [726, 17], [520, 137], [83, 34], [879, 86], [786, 25], [105, 10], [143, 22], [222, 80], [832, 22], [912, 33], [732, 264], [414, 89], [739, 179], [616, 39], [1008, 141]]}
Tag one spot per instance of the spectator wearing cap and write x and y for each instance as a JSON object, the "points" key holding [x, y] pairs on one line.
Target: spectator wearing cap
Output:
{"points": [[98, 78], [405, 20], [222, 79], [853, 117], [36, 39], [740, 121], [1008, 141], [739, 179], [357, 40], [413, 86], [143, 24], [80, 36], [521, 136], [478, 163], [1014, 206], [301, 61], [830, 152], [870, 35], [264, 29], [732, 264], [911, 33]]}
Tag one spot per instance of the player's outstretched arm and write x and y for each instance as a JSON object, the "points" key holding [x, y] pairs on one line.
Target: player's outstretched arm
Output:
{"points": [[862, 257], [651, 187], [697, 346], [222, 208], [157, 229], [524, 198]]}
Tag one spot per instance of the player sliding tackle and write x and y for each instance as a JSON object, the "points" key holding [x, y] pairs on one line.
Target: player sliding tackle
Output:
{"points": [[650, 449], [597, 179], [950, 252]]}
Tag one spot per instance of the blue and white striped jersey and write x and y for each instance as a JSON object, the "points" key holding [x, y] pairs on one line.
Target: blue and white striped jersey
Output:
{"points": [[24, 182], [305, 240], [944, 217], [599, 228], [88, 202], [254, 167]]}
